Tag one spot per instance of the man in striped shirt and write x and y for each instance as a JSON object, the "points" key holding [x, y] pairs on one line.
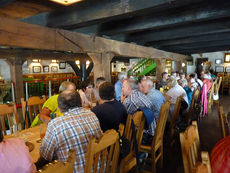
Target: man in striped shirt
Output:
{"points": [[71, 131]]}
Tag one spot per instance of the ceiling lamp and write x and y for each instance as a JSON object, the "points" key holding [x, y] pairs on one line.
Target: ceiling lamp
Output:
{"points": [[66, 2]]}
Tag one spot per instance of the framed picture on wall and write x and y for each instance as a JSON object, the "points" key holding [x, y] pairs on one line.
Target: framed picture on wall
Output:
{"points": [[36, 69], [62, 65], [218, 61], [227, 69], [219, 69], [45, 68], [54, 69]]}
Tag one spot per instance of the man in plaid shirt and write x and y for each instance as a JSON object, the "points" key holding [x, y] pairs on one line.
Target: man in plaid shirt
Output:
{"points": [[71, 131], [134, 100]]}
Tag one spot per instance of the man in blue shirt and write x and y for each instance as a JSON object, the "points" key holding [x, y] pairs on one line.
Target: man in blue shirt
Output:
{"points": [[118, 85]]}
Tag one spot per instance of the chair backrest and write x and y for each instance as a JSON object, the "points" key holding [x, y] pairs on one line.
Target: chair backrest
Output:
{"points": [[195, 96], [102, 155], [139, 122], [219, 79], [161, 122], [176, 113], [60, 167], [9, 112], [223, 122], [190, 145], [34, 105]]}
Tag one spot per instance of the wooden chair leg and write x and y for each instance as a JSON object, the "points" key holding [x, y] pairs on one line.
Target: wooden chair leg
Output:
{"points": [[153, 162], [161, 158]]}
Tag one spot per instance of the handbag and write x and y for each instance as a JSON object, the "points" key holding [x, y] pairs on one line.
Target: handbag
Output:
{"points": [[124, 146]]}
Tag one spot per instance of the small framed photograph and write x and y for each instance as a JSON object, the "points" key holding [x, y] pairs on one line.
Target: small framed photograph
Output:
{"points": [[219, 69], [227, 69], [227, 58], [62, 65], [54, 69], [36, 69], [218, 61], [45, 68]]}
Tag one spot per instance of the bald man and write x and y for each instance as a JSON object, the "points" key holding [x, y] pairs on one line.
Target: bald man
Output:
{"points": [[155, 96]]}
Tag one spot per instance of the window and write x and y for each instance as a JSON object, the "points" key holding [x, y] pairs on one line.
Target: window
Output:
{"points": [[227, 57]]}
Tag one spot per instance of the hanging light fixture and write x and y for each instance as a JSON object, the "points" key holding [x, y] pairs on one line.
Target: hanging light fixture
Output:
{"points": [[66, 2]]}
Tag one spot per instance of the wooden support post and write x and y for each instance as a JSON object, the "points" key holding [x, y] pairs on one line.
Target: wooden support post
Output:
{"points": [[160, 67], [102, 66], [17, 78], [178, 65]]}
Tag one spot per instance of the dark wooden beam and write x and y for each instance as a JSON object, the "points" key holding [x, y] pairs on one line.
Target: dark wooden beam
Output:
{"points": [[90, 12], [188, 46], [5, 2], [196, 29], [204, 49], [197, 13], [193, 39]]}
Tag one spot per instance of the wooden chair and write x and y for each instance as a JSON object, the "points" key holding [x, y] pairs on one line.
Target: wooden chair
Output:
{"points": [[102, 155], [175, 115], [156, 148], [194, 99], [130, 161], [224, 128], [34, 105], [225, 83], [210, 98], [60, 167], [7, 111], [190, 147]]}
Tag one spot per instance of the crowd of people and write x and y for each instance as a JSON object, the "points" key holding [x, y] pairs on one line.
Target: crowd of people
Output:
{"points": [[91, 111]]}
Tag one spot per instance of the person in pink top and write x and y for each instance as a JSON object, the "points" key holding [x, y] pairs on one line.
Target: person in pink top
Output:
{"points": [[15, 157]]}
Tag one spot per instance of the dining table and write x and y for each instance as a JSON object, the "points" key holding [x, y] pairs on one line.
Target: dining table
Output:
{"points": [[32, 139]]}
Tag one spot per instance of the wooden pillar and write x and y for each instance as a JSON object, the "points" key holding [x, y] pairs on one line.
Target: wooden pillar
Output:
{"points": [[178, 66], [160, 67], [17, 77], [102, 66]]}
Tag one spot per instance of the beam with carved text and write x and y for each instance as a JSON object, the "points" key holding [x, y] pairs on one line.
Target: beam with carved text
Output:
{"points": [[18, 34]]}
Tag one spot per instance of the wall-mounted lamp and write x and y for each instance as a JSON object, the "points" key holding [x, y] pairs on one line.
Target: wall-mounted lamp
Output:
{"points": [[87, 62], [53, 60], [77, 62], [35, 60], [183, 64], [66, 2]]}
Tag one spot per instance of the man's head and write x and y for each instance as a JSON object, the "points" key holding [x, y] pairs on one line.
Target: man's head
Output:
{"points": [[99, 81], [106, 91], [182, 75], [122, 76], [67, 86], [192, 76], [68, 100], [87, 87], [128, 86], [171, 82], [164, 76], [146, 85], [173, 74]]}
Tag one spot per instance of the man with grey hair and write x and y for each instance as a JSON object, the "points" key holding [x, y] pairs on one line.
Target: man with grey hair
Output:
{"points": [[136, 100], [155, 96], [118, 85]]}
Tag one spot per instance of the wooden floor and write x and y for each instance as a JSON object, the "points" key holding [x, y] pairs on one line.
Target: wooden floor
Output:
{"points": [[209, 132]]}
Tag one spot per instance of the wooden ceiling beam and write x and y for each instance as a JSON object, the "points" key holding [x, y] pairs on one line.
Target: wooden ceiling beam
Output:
{"points": [[87, 13], [175, 17], [193, 39], [197, 29], [18, 34]]}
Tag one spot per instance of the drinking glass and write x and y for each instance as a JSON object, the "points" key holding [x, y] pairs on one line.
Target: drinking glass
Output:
{"points": [[43, 128]]}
